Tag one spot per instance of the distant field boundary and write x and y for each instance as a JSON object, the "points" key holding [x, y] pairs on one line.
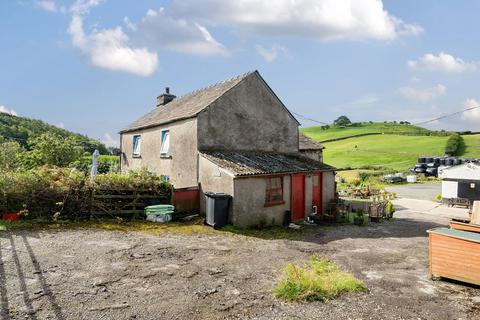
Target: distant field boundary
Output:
{"points": [[352, 136]]}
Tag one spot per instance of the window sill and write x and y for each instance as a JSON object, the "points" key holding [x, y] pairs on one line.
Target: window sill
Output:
{"points": [[166, 156], [272, 204], [136, 156]]}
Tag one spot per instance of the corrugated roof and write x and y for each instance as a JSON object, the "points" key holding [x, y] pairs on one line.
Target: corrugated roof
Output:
{"points": [[186, 106], [259, 163], [306, 143]]}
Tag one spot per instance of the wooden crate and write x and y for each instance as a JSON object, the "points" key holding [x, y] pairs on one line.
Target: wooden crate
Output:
{"points": [[454, 254], [458, 225]]}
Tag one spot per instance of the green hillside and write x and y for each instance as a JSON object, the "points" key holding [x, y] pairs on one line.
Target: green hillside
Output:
{"points": [[319, 134], [398, 148], [21, 129]]}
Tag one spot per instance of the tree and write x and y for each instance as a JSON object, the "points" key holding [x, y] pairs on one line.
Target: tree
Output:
{"points": [[455, 145], [52, 149], [342, 121], [11, 153]]}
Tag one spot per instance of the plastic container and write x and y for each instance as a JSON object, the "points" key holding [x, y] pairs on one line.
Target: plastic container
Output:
{"points": [[218, 206], [412, 179], [161, 213]]}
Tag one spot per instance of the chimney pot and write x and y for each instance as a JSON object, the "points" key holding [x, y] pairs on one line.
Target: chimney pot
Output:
{"points": [[165, 98]]}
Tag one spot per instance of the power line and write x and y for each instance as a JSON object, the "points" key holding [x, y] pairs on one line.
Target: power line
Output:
{"points": [[446, 116], [306, 118]]}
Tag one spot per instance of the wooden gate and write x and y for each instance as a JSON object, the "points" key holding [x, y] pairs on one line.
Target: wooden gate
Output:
{"points": [[298, 197]]}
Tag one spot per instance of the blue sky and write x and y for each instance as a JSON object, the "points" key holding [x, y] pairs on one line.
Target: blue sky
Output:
{"points": [[93, 66]]}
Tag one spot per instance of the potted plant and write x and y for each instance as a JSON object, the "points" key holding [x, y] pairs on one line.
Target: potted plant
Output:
{"points": [[358, 219]]}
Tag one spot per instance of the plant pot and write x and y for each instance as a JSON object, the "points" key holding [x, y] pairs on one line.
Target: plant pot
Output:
{"points": [[11, 216]]}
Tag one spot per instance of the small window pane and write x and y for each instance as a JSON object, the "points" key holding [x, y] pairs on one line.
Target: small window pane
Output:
{"points": [[165, 142], [315, 181], [137, 141], [273, 190]]}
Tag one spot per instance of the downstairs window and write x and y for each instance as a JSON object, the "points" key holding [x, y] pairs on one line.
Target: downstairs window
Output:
{"points": [[274, 191]]}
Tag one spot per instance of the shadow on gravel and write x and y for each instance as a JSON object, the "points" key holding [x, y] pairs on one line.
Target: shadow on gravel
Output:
{"points": [[3, 289], [20, 277]]}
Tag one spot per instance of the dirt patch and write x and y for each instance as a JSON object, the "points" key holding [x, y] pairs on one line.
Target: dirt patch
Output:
{"points": [[99, 274]]}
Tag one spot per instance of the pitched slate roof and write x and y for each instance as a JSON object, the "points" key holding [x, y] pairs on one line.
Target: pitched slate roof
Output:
{"points": [[186, 106], [260, 163], [306, 143], [191, 104]]}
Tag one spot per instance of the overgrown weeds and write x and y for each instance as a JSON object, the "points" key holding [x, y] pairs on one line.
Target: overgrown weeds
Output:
{"points": [[318, 280]]}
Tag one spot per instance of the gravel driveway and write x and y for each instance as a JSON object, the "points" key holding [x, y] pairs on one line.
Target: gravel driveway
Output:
{"points": [[98, 274]]}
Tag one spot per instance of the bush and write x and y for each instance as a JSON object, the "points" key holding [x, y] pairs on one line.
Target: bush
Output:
{"points": [[318, 280], [49, 192], [389, 209], [455, 145]]}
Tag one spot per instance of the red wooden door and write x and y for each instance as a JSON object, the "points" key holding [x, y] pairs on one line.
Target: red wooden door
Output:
{"points": [[298, 197], [317, 187]]}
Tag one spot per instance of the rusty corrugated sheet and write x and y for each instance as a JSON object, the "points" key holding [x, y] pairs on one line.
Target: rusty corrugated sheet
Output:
{"points": [[455, 254]]}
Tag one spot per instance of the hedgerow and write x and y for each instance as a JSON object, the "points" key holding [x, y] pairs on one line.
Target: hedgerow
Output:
{"points": [[49, 192]]}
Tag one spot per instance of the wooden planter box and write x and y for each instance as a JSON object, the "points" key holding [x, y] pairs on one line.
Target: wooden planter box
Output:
{"points": [[455, 254]]}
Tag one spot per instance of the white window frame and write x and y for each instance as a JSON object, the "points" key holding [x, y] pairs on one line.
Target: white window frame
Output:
{"points": [[138, 138], [165, 136]]}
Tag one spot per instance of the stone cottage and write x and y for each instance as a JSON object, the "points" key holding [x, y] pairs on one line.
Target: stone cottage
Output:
{"points": [[235, 137]]}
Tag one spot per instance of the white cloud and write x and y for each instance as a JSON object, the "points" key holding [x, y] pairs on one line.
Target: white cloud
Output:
{"points": [[109, 48], [47, 5], [109, 141], [81, 7], [423, 95], [473, 115], [318, 19], [270, 54], [4, 109], [130, 25], [165, 32], [442, 62], [60, 125]]}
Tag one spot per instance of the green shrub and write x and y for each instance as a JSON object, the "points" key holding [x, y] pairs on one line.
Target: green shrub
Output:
{"points": [[355, 182], [389, 208], [318, 280], [455, 145], [48, 192]]}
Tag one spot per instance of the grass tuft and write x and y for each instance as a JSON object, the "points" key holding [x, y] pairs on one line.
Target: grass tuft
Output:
{"points": [[318, 280]]}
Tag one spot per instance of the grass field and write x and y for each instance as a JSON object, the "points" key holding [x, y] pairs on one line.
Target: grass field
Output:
{"points": [[393, 151], [318, 134]]}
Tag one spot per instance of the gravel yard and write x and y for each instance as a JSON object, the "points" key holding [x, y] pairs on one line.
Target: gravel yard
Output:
{"points": [[99, 274]]}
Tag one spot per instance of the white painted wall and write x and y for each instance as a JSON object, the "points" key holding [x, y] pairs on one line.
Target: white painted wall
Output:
{"points": [[449, 189]]}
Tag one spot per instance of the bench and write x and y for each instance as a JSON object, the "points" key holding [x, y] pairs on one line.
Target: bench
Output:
{"points": [[461, 202]]}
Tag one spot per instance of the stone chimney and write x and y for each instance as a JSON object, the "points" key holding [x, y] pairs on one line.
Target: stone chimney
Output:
{"points": [[165, 98]]}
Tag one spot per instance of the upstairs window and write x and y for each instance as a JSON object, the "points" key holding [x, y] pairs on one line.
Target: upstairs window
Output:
{"points": [[164, 149], [274, 191], [137, 142]]}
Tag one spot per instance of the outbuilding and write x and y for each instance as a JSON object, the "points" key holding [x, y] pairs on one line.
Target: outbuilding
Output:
{"points": [[462, 181]]}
